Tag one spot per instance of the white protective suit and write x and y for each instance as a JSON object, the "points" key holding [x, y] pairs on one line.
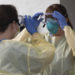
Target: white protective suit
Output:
{"points": [[64, 60], [25, 56]]}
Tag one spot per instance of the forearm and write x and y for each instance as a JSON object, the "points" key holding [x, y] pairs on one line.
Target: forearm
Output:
{"points": [[45, 49], [39, 53], [70, 36]]}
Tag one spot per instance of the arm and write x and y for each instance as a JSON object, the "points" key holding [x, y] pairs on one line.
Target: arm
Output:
{"points": [[70, 36], [27, 58], [41, 53], [44, 46], [69, 33], [42, 50]]}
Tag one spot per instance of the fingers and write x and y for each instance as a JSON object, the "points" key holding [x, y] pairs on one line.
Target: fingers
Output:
{"points": [[57, 14], [37, 15], [27, 18]]}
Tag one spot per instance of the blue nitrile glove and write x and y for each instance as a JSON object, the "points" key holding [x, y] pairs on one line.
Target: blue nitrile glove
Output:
{"points": [[37, 19], [31, 23], [61, 19], [28, 21]]}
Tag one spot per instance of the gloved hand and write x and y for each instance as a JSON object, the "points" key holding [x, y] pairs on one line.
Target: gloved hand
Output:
{"points": [[35, 18], [32, 23], [61, 19]]}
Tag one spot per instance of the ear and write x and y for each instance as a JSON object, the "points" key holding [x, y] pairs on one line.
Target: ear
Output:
{"points": [[13, 24]]}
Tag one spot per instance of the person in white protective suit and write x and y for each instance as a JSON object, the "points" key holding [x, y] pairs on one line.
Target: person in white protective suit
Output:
{"points": [[63, 37], [27, 53]]}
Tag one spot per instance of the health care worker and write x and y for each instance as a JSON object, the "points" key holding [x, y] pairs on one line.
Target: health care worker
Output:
{"points": [[59, 26], [19, 56]]}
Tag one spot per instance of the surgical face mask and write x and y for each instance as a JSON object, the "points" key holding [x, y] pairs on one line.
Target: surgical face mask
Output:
{"points": [[52, 25]]}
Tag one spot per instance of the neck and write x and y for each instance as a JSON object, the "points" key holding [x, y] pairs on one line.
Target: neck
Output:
{"points": [[5, 35]]}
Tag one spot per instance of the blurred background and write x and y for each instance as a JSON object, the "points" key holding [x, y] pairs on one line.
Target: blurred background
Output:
{"points": [[30, 6]]}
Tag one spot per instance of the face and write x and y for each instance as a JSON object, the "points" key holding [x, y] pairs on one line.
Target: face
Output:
{"points": [[53, 26]]}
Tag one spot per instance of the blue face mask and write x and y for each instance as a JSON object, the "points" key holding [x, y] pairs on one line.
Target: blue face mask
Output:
{"points": [[52, 26]]}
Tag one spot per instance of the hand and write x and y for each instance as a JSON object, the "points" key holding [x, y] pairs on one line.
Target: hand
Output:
{"points": [[36, 20], [61, 19], [31, 23], [28, 21]]}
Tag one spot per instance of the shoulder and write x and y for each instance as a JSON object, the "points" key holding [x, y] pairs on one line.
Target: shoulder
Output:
{"points": [[10, 46]]}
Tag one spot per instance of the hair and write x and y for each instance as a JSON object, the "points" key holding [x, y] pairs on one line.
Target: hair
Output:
{"points": [[8, 14], [60, 8]]}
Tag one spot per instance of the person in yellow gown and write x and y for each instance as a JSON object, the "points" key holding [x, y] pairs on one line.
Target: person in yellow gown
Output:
{"points": [[63, 35], [28, 52]]}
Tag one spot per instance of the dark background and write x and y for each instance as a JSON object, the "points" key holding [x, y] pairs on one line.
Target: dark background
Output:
{"points": [[70, 6]]}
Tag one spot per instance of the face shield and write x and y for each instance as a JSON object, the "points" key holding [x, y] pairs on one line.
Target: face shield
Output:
{"points": [[42, 27]]}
